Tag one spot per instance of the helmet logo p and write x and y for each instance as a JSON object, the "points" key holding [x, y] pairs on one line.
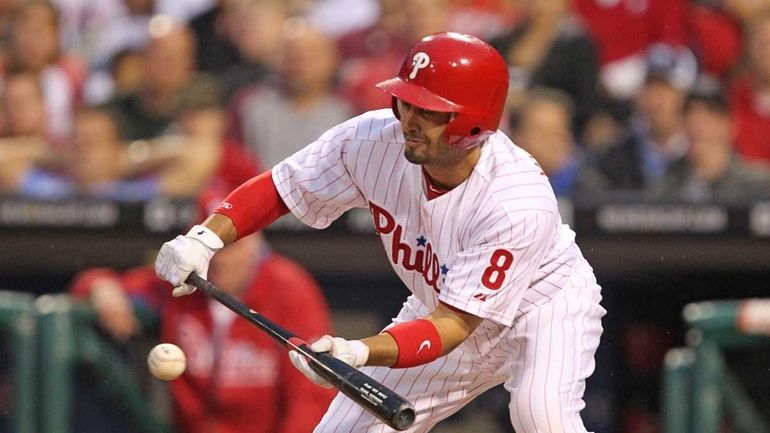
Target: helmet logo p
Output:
{"points": [[419, 61]]}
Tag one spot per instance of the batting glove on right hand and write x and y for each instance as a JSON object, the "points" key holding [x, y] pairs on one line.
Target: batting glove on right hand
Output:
{"points": [[353, 352], [181, 256]]}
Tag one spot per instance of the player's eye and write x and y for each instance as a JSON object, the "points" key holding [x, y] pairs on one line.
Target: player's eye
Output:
{"points": [[436, 116]]}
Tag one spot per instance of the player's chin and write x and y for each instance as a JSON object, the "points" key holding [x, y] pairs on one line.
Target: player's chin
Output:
{"points": [[415, 155]]}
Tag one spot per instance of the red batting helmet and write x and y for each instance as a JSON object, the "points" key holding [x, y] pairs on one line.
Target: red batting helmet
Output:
{"points": [[457, 73]]}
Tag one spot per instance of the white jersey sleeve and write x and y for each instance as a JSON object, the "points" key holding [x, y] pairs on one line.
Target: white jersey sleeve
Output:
{"points": [[490, 278], [315, 184]]}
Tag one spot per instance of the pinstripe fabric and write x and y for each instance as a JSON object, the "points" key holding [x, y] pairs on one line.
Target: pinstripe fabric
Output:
{"points": [[494, 246]]}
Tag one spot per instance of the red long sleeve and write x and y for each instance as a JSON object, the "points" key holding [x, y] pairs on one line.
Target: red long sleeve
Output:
{"points": [[254, 205]]}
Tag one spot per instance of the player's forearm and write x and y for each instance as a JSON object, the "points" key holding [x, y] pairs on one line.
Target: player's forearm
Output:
{"points": [[223, 227], [450, 328], [383, 350], [452, 332]]}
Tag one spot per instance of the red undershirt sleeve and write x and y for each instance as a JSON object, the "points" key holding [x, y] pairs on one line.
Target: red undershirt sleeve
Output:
{"points": [[254, 205]]}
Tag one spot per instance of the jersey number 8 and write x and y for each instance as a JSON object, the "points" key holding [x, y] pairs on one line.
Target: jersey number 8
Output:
{"points": [[494, 274]]}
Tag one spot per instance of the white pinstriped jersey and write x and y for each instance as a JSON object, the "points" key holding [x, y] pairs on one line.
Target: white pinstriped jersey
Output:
{"points": [[494, 246]]}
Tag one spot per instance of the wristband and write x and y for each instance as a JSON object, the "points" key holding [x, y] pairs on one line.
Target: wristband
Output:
{"points": [[207, 237], [418, 343]]}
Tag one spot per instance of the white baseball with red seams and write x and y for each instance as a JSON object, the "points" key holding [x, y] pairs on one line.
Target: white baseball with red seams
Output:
{"points": [[166, 361], [494, 246]]}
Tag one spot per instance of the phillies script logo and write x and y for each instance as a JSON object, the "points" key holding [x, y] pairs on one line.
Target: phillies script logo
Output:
{"points": [[424, 261], [419, 61]]}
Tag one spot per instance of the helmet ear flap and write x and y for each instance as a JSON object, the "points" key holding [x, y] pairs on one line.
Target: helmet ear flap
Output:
{"points": [[466, 131]]}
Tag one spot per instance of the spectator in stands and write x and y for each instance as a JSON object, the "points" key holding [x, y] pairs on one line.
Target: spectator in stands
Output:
{"points": [[80, 21], [715, 35], [750, 96], [200, 116], [325, 15], [24, 141], [550, 48], [745, 10], [256, 28], [237, 378], [426, 17], [6, 14], [624, 30], [23, 107], [127, 71], [183, 10], [125, 76], [276, 120], [127, 27], [486, 19], [98, 164], [711, 170], [385, 35], [169, 67], [543, 128], [371, 55], [34, 48], [215, 48], [656, 138]]}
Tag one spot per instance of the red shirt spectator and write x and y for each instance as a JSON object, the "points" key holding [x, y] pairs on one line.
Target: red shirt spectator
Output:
{"points": [[236, 165], [623, 31], [486, 19], [625, 28], [359, 76], [715, 37], [237, 378], [750, 95], [751, 116]]}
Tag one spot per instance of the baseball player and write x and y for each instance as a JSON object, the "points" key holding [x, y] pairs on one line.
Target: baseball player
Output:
{"points": [[500, 291]]}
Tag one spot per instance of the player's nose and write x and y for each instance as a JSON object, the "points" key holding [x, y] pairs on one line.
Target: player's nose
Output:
{"points": [[409, 121]]}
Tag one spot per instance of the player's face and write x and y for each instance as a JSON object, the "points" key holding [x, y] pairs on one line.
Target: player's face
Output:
{"points": [[424, 133]]}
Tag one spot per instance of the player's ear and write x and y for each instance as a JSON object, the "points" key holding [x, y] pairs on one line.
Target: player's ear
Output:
{"points": [[394, 106]]}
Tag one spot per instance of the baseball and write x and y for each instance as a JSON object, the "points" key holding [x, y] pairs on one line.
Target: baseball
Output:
{"points": [[166, 361]]}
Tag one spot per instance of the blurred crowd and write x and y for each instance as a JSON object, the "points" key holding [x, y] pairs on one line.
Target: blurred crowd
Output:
{"points": [[131, 99]]}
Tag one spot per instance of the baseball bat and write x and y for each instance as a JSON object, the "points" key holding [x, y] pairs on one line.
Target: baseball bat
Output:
{"points": [[381, 401]]}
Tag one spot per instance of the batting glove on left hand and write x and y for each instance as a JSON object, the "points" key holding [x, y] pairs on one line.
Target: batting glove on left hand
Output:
{"points": [[181, 256], [353, 352]]}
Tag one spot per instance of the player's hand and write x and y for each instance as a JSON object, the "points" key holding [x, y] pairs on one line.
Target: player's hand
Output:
{"points": [[181, 256], [113, 309], [353, 352]]}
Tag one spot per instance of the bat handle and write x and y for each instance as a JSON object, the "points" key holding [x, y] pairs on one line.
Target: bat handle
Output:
{"points": [[384, 403], [198, 282]]}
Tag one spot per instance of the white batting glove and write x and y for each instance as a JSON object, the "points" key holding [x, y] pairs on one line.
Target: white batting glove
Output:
{"points": [[353, 352], [181, 256]]}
